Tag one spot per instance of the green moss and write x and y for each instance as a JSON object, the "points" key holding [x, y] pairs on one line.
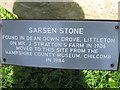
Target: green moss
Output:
{"points": [[102, 79], [7, 76], [4, 14]]}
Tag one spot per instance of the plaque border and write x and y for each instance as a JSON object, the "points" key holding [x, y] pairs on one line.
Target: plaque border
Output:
{"points": [[105, 20], [0, 42], [99, 20]]}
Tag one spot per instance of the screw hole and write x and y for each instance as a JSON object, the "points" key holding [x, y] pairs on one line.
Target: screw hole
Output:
{"points": [[112, 65], [4, 59], [117, 27]]}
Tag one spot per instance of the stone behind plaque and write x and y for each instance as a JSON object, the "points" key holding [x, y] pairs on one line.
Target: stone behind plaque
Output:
{"points": [[74, 9]]}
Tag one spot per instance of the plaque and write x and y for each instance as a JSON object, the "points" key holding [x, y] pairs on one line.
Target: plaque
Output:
{"points": [[66, 44]]}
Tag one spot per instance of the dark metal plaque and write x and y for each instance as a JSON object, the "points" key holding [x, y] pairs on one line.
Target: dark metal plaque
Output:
{"points": [[60, 44]]}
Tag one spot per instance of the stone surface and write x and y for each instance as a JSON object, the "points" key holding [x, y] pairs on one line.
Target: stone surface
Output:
{"points": [[56, 10], [75, 9], [99, 9]]}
